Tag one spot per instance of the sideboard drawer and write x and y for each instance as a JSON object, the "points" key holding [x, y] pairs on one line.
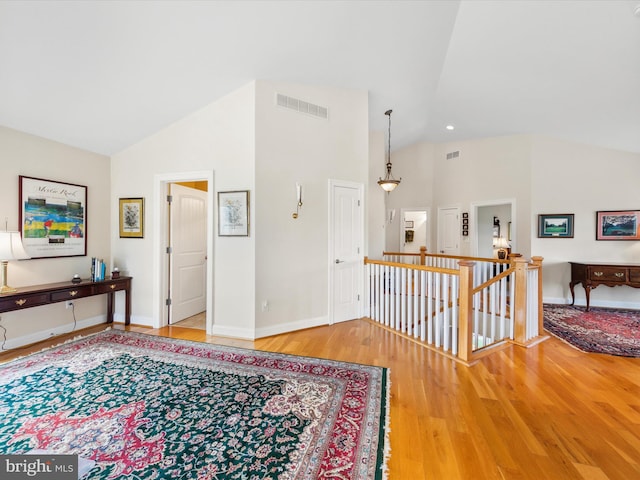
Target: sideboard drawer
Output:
{"points": [[25, 301], [634, 275], [72, 293], [608, 274], [109, 286]]}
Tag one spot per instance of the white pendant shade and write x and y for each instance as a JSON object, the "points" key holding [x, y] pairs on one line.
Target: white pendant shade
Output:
{"points": [[388, 185]]}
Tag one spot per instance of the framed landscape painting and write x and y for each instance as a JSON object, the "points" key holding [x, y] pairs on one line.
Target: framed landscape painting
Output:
{"points": [[52, 218], [618, 225], [559, 225]]}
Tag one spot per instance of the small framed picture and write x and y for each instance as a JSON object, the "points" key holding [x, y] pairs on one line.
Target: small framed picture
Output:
{"points": [[408, 224], [618, 225], [465, 221], [233, 214], [132, 218], [559, 225]]}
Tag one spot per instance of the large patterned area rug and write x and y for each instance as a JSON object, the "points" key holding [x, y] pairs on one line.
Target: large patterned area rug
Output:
{"points": [[600, 330], [146, 407]]}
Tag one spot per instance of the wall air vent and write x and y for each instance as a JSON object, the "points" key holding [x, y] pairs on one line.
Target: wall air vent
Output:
{"points": [[302, 106], [452, 155]]}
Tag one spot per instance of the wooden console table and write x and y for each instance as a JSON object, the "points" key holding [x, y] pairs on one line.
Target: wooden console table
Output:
{"points": [[34, 296], [590, 275]]}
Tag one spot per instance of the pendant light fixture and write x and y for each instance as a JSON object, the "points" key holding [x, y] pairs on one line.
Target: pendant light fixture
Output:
{"points": [[388, 183]]}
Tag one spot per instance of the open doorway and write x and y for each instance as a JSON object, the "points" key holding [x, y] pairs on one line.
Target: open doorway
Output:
{"points": [[187, 242], [414, 230], [165, 285], [493, 221]]}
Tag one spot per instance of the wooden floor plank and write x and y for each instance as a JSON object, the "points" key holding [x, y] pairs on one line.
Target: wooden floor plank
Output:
{"points": [[546, 412]]}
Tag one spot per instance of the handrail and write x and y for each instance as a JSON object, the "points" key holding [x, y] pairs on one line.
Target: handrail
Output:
{"points": [[442, 308], [426, 268], [493, 280], [455, 257]]}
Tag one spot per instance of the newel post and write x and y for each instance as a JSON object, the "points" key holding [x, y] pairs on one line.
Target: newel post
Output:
{"points": [[537, 261], [423, 255], [465, 331], [520, 301]]}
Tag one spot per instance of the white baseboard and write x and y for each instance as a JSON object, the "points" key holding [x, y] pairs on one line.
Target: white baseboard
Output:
{"points": [[54, 332], [136, 320], [291, 326], [594, 303], [249, 334], [234, 332]]}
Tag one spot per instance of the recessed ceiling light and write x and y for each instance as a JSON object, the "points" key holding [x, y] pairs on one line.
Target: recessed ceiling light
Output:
{"points": [[449, 127]]}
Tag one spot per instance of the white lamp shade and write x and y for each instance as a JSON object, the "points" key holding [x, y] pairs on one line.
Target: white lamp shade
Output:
{"points": [[388, 185], [502, 243], [11, 247]]}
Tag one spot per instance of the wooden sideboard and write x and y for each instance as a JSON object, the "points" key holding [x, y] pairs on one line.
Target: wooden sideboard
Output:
{"points": [[37, 295], [590, 275]]}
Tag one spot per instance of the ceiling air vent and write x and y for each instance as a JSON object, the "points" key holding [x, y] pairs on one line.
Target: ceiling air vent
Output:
{"points": [[452, 155], [302, 106]]}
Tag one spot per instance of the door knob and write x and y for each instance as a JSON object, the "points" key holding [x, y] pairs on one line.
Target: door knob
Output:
{"points": [[339, 261]]}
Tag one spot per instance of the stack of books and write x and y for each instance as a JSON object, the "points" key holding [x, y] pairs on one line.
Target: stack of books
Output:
{"points": [[98, 269]]}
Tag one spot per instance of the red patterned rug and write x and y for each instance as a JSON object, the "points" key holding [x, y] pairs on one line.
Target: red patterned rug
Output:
{"points": [[146, 407], [600, 330]]}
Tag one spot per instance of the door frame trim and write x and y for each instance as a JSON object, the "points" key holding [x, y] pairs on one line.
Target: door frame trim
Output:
{"points": [[473, 214], [330, 261], [160, 225]]}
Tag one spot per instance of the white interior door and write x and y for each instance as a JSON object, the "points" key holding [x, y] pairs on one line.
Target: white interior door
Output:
{"points": [[188, 259], [346, 240], [449, 231]]}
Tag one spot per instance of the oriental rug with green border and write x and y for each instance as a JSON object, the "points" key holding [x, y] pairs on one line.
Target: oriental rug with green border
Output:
{"points": [[147, 407]]}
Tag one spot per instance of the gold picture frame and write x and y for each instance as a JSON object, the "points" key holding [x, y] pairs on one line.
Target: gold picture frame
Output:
{"points": [[131, 217]]}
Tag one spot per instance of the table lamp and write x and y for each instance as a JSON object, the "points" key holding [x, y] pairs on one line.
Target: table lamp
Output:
{"points": [[503, 248], [10, 249]]}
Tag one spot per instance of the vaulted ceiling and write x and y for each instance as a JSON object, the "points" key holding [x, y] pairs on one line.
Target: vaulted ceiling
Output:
{"points": [[103, 75]]}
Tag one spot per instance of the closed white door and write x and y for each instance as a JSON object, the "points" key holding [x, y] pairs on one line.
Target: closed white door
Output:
{"points": [[188, 257], [346, 240], [449, 231]]}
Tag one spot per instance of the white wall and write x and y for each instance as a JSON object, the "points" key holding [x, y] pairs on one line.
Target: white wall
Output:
{"points": [[415, 164], [292, 254], [376, 198], [487, 169], [28, 155], [581, 179], [219, 138]]}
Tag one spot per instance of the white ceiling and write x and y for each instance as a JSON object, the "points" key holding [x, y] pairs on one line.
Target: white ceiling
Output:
{"points": [[103, 75]]}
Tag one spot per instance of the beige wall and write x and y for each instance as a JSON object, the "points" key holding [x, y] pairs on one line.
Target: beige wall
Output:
{"points": [[24, 154], [415, 165], [218, 139], [581, 179], [376, 197], [251, 144], [292, 254], [541, 175]]}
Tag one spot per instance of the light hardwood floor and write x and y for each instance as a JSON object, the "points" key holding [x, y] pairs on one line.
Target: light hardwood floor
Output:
{"points": [[548, 412]]}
